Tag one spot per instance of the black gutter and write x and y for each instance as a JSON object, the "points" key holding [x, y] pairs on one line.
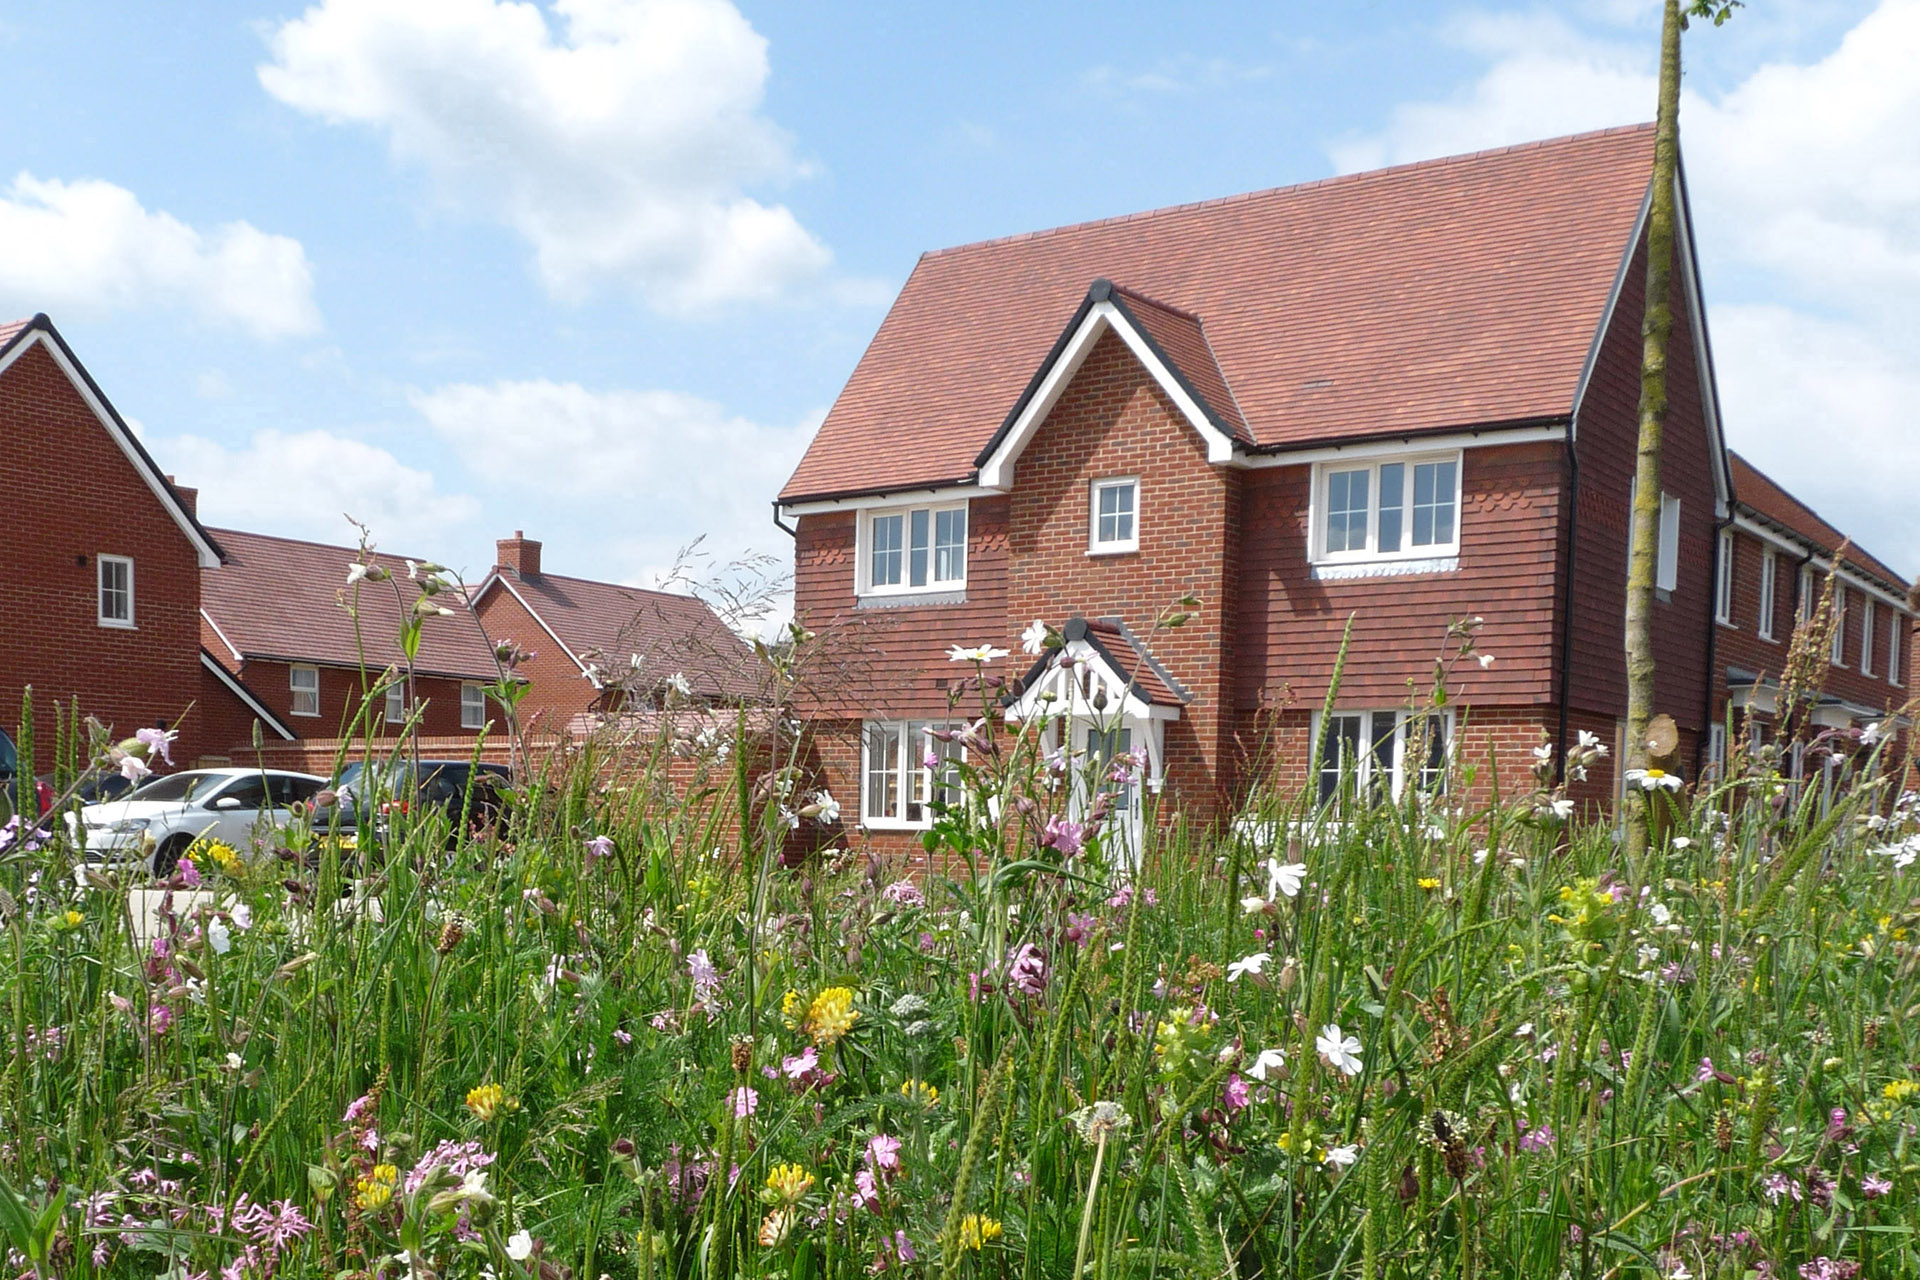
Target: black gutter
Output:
{"points": [[880, 491], [1564, 675], [1417, 433], [782, 525]]}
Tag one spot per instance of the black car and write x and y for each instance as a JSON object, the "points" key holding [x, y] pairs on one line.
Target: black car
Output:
{"points": [[368, 797], [95, 786]]}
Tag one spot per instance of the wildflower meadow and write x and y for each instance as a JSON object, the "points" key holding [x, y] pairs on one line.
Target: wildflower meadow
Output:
{"points": [[633, 1033]]}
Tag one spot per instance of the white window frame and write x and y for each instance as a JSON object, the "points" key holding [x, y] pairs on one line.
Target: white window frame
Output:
{"points": [[1369, 719], [863, 558], [1667, 569], [1716, 751], [297, 689], [473, 706], [909, 778], [1319, 509], [101, 564], [1803, 607], [1769, 577], [1837, 648], [396, 703], [1723, 581], [1097, 546], [1893, 648], [1866, 634]]}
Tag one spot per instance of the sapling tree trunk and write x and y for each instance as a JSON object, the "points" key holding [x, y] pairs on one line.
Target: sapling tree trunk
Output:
{"points": [[1656, 330]]}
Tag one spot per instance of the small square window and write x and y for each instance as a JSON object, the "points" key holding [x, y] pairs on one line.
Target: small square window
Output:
{"points": [[116, 591], [1114, 517], [304, 684], [473, 706]]}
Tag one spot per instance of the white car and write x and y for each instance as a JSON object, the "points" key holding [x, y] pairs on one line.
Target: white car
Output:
{"points": [[160, 820]]}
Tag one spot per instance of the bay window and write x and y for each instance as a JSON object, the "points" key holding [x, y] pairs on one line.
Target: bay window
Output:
{"points": [[904, 770], [914, 549], [1405, 508]]}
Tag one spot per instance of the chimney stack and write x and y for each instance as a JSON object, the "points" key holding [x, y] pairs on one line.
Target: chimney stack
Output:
{"points": [[518, 555], [189, 498]]}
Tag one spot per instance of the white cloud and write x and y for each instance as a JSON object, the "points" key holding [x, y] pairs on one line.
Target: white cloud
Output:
{"points": [[304, 484], [659, 460], [89, 246], [1805, 178], [617, 136]]}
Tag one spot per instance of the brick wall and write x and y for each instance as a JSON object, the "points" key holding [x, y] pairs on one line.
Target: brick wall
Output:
{"points": [[71, 495], [557, 690]]}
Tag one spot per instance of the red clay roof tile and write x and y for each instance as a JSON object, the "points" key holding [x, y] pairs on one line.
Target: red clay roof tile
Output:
{"points": [[1753, 489], [1434, 295]]}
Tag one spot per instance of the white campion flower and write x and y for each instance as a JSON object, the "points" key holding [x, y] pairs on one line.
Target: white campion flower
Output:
{"points": [[133, 768], [678, 683], [355, 572], [829, 808], [1245, 965], [978, 653], [1284, 878], [1544, 752], [1341, 1051], [219, 937], [1661, 913], [1484, 659], [520, 1245], [1341, 1157], [1591, 742], [1872, 734], [1034, 638], [1253, 906], [242, 914], [1270, 1060], [1563, 808]]}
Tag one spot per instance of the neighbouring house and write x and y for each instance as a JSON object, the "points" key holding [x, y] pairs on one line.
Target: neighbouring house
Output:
{"points": [[1773, 564], [296, 648], [1388, 401], [100, 556], [599, 648]]}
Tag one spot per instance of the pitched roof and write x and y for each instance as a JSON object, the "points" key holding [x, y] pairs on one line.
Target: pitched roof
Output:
{"points": [[285, 600], [1757, 492], [16, 335], [606, 624], [1429, 296], [1125, 655]]}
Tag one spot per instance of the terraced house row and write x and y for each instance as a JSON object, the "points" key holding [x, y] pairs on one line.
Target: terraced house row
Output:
{"points": [[114, 596], [1382, 403]]}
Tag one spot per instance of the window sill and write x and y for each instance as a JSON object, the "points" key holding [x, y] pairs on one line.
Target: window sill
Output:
{"points": [[1338, 570], [1128, 549], [881, 824], [106, 625], [305, 715], [910, 599]]}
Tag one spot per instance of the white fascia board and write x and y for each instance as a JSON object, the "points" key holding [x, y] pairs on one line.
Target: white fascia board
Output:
{"points": [[534, 613], [1361, 450], [1702, 349], [997, 472], [1067, 698], [241, 692], [891, 498], [208, 619], [1773, 537], [1606, 316], [208, 557]]}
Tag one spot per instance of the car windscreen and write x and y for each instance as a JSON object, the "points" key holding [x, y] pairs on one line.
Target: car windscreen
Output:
{"points": [[180, 786]]}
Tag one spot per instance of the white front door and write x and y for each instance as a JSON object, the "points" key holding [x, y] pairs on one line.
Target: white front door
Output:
{"points": [[1111, 761]]}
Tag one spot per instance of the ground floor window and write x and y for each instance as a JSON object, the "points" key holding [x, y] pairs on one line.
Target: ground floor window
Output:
{"points": [[1382, 749], [904, 769], [473, 706]]}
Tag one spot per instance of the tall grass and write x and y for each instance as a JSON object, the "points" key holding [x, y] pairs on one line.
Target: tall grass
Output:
{"points": [[623, 1037]]}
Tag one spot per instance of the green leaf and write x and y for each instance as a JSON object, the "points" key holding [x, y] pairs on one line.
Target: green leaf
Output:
{"points": [[15, 1221]]}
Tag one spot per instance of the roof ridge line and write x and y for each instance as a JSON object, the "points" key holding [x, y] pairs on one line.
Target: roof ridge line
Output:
{"points": [[1215, 202]]}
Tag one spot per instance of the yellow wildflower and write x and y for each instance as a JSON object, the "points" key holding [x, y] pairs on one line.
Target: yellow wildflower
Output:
{"points": [[921, 1092], [977, 1229], [72, 919], [1429, 882], [220, 854], [831, 1015], [374, 1191], [1900, 1091], [489, 1101], [792, 1008], [787, 1184]]}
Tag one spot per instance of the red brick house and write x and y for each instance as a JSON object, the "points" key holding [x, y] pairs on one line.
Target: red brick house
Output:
{"points": [[100, 555], [283, 650], [600, 648], [1401, 398], [1772, 566]]}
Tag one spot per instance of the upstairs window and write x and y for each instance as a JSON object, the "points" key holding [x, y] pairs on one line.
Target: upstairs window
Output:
{"points": [[1838, 653], [116, 591], [1769, 568], [1723, 583], [915, 549], [1866, 635], [1113, 518], [473, 706], [1808, 592], [1896, 644], [1406, 508], [303, 683], [1667, 571]]}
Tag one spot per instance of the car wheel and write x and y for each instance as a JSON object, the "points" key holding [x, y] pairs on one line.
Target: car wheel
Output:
{"points": [[168, 855]]}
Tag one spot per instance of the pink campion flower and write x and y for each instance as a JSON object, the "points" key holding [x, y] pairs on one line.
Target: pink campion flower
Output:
{"points": [[866, 1189], [188, 873], [1539, 1138], [598, 849], [1873, 1186], [1080, 928], [706, 978], [357, 1109], [1235, 1095], [133, 769], [903, 893], [808, 1059], [1777, 1186], [1825, 1268], [1067, 837], [157, 742], [883, 1153], [1027, 970], [745, 1101], [624, 1037], [159, 1019]]}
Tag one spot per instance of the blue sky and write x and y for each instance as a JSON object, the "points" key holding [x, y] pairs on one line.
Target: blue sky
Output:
{"points": [[593, 270]]}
